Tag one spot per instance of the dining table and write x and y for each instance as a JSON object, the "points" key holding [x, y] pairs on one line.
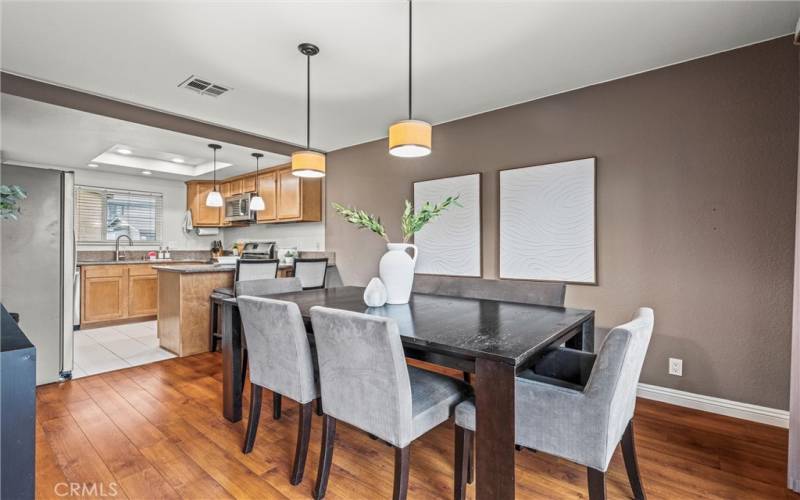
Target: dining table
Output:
{"points": [[494, 340]]}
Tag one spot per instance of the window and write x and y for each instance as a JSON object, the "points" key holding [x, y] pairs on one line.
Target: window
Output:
{"points": [[102, 215]]}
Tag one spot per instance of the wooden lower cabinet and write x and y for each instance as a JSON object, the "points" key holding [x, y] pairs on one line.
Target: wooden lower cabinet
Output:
{"points": [[116, 293]]}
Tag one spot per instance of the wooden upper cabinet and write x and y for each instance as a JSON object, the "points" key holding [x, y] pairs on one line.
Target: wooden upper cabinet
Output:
{"points": [[267, 189], [287, 198], [288, 195], [299, 199], [236, 187], [249, 184], [202, 216]]}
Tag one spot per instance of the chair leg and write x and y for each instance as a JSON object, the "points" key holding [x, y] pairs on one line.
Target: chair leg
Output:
{"points": [[402, 459], [252, 421], [631, 464], [276, 406], [319, 407], [467, 377], [325, 456], [462, 462], [597, 484], [212, 324], [303, 435], [244, 367], [471, 457]]}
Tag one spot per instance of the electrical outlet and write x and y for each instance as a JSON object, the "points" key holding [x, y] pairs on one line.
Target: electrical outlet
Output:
{"points": [[676, 367]]}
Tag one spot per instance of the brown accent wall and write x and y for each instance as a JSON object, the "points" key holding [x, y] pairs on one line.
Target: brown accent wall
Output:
{"points": [[697, 168]]}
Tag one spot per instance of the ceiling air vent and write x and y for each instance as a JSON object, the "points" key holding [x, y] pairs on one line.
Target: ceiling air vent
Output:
{"points": [[204, 87]]}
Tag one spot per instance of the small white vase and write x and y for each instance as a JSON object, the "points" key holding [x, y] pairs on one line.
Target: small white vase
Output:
{"points": [[396, 270], [375, 293]]}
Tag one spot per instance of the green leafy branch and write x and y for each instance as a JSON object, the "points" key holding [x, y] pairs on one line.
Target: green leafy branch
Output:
{"points": [[361, 219], [412, 223], [9, 197]]}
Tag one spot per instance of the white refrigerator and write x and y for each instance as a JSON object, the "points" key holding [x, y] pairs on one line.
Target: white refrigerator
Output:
{"points": [[37, 259]]}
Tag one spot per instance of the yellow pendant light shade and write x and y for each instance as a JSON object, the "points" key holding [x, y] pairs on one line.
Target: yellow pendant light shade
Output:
{"points": [[308, 164], [410, 139]]}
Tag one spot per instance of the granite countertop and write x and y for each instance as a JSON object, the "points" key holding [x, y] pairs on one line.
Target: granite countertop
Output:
{"points": [[197, 268], [138, 261], [209, 268]]}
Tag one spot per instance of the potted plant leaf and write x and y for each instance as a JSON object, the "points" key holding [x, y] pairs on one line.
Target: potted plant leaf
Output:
{"points": [[10, 196]]}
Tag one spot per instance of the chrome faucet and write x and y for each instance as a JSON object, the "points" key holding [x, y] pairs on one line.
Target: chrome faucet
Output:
{"points": [[116, 250]]}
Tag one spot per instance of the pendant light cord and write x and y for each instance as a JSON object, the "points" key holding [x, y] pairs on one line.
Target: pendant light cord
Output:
{"points": [[410, 17], [308, 102], [215, 169]]}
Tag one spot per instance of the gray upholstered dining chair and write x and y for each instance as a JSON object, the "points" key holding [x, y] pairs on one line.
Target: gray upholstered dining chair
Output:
{"points": [[282, 361], [311, 272], [246, 270], [583, 426], [365, 382], [260, 288]]}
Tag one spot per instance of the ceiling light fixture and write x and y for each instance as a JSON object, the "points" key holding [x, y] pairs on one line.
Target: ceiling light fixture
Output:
{"points": [[124, 151], [410, 138], [93, 165], [257, 202], [177, 160], [308, 163], [146, 172], [214, 199]]}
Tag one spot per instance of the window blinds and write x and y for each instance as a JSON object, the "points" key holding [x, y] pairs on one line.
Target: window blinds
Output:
{"points": [[102, 215]]}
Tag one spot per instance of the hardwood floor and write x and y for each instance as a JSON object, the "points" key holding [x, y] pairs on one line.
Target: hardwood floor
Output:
{"points": [[156, 431]]}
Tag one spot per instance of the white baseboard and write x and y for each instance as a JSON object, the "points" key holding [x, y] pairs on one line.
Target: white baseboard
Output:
{"points": [[745, 411]]}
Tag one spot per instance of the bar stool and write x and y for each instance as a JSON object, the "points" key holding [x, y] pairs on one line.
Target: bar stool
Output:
{"points": [[312, 272], [246, 270]]}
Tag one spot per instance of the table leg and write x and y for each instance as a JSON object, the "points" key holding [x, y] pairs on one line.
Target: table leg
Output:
{"points": [[583, 341], [231, 362], [494, 430]]}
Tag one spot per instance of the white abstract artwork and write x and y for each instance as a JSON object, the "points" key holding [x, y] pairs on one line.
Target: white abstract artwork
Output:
{"points": [[450, 244], [547, 222]]}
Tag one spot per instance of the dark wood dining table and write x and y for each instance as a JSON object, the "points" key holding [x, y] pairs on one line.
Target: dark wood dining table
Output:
{"points": [[494, 340]]}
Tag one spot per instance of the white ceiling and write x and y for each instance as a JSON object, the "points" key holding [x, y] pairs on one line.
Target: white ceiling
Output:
{"points": [[470, 57], [39, 134]]}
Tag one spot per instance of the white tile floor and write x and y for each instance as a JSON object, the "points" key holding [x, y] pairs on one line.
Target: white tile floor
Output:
{"points": [[104, 349]]}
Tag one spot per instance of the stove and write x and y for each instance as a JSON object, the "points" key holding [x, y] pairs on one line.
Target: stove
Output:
{"points": [[257, 250]]}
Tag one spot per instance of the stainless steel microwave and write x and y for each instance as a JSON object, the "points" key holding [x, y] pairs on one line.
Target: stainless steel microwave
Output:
{"points": [[237, 208]]}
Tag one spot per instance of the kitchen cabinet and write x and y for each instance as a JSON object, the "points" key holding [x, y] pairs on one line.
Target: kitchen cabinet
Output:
{"points": [[103, 293], [196, 194], [236, 187], [114, 293], [142, 291], [267, 189], [287, 198], [299, 198], [249, 184]]}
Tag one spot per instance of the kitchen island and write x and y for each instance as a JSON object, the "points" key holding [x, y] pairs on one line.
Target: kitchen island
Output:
{"points": [[183, 305]]}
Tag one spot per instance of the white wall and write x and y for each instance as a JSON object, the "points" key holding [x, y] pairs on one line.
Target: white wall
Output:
{"points": [[303, 235], [174, 193]]}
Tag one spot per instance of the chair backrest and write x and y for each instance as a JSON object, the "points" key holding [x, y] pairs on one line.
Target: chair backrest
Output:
{"points": [[279, 356], [615, 375], [256, 269], [332, 278], [267, 286], [311, 272], [363, 374], [525, 292]]}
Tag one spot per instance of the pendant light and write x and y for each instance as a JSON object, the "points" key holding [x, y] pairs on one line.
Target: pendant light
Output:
{"points": [[257, 202], [308, 163], [214, 199], [410, 138]]}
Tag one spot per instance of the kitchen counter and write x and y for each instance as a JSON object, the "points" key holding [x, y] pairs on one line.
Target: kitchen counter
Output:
{"points": [[197, 268], [124, 262]]}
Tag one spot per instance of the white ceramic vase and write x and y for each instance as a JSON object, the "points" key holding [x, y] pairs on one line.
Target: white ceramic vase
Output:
{"points": [[375, 293], [396, 270]]}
